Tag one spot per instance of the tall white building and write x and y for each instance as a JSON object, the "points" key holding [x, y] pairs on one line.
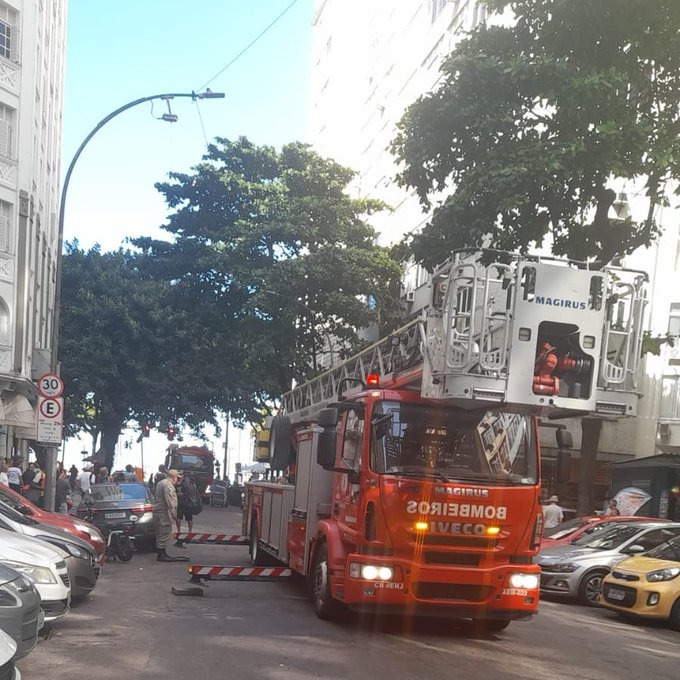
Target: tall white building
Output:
{"points": [[32, 49], [371, 60]]}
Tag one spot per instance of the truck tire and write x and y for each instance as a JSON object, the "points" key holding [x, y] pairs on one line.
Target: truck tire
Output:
{"points": [[325, 605], [258, 557], [279, 442]]}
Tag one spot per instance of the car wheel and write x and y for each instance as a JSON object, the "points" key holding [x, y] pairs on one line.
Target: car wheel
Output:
{"points": [[674, 618], [124, 552], [590, 588], [325, 605]]}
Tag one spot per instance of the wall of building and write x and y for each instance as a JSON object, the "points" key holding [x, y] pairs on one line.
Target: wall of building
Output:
{"points": [[32, 48]]}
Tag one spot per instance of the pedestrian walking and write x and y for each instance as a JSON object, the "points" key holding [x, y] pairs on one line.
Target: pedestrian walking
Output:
{"points": [[14, 476], [62, 493], [187, 500], [73, 477], [36, 486], [165, 514], [103, 475], [552, 513], [4, 479], [129, 475], [160, 475], [85, 480], [27, 477]]}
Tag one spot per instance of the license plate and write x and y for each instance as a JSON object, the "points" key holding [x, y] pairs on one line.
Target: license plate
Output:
{"points": [[616, 594], [114, 515]]}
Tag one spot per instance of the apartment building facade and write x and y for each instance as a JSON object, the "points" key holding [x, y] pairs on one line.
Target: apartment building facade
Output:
{"points": [[32, 53], [369, 62]]}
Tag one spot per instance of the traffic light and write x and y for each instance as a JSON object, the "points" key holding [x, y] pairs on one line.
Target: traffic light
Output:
{"points": [[171, 432], [146, 429]]}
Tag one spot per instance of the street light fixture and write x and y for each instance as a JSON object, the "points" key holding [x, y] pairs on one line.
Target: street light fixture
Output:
{"points": [[50, 484]]}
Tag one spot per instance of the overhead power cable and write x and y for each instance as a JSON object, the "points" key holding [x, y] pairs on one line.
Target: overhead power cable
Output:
{"points": [[249, 45]]}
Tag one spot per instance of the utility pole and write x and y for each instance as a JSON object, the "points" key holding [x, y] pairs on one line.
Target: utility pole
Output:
{"points": [[226, 447]]}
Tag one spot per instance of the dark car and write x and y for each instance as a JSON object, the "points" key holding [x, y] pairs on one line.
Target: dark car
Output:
{"points": [[20, 615], [116, 505]]}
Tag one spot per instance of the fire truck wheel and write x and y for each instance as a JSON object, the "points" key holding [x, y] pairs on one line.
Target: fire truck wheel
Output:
{"points": [[325, 605], [258, 557], [279, 442]]}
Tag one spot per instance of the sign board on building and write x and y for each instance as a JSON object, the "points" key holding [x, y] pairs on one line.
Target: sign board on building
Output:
{"points": [[50, 420]]}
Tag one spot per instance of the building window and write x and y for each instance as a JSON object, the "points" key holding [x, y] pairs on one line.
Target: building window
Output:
{"points": [[7, 131], [8, 32], [5, 225], [674, 320], [4, 323], [436, 7]]}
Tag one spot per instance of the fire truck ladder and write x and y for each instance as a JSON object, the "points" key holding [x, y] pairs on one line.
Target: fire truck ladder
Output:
{"points": [[396, 358], [477, 318]]}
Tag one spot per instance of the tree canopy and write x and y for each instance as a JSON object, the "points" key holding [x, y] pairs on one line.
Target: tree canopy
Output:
{"points": [[533, 120], [273, 266]]}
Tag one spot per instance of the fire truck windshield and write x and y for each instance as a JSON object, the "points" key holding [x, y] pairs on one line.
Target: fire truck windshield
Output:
{"points": [[441, 443], [189, 461]]}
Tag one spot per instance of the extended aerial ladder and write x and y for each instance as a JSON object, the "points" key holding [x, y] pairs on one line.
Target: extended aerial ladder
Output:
{"points": [[532, 335]]}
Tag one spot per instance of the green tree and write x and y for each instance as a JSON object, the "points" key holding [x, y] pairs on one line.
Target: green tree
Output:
{"points": [[532, 122], [275, 263], [118, 350]]}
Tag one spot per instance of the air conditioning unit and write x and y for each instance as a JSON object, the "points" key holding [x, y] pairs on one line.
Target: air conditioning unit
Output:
{"points": [[410, 296]]}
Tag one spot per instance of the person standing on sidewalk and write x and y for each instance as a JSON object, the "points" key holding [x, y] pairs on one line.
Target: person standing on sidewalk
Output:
{"points": [[165, 514], [552, 513], [62, 493], [14, 476]]}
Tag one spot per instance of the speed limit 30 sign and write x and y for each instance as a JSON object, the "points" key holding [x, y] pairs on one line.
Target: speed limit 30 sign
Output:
{"points": [[50, 385]]}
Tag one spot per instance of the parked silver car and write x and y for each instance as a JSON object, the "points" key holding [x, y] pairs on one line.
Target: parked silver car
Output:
{"points": [[45, 565], [576, 570], [81, 562], [20, 614], [8, 648]]}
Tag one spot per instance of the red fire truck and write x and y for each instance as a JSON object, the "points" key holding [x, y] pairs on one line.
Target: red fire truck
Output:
{"points": [[197, 462], [409, 474]]}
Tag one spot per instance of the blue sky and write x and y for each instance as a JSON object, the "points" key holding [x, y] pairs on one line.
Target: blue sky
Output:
{"points": [[121, 50]]}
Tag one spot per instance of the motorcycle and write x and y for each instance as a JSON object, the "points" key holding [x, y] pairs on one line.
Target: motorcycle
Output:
{"points": [[119, 538]]}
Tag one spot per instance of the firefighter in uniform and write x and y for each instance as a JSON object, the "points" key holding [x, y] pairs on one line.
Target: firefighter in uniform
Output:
{"points": [[165, 514]]}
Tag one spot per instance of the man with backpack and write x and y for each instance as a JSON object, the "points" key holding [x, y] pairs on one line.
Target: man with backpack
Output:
{"points": [[189, 503]]}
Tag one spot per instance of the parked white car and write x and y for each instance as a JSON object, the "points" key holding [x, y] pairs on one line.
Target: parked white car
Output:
{"points": [[45, 565]]}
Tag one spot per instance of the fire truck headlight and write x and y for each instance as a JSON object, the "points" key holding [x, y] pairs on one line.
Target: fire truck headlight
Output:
{"points": [[528, 581], [370, 572]]}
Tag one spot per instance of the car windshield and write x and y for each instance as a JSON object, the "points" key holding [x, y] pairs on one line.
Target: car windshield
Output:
{"points": [[564, 529], [670, 550], [189, 461], [447, 444], [607, 539], [15, 516], [118, 492]]}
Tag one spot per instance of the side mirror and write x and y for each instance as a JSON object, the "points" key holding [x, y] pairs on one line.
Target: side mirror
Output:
{"points": [[564, 439], [328, 417], [635, 549], [326, 448]]}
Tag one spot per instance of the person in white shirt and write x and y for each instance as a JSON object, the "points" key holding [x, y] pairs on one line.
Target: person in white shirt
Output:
{"points": [[4, 479], [85, 480], [552, 513], [14, 477]]}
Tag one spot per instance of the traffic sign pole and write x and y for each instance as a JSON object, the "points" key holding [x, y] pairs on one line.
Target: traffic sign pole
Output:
{"points": [[50, 385]]}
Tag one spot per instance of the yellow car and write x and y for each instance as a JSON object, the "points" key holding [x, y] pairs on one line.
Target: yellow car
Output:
{"points": [[647, 585]]}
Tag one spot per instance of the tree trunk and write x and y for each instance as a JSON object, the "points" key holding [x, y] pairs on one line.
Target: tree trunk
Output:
{"points": [[110, 432], [590, 441]]}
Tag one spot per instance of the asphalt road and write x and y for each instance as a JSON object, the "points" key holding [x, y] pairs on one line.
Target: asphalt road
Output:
{"points": [[133, 627]]}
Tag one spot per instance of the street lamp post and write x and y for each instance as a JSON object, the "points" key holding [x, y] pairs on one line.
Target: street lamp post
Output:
{"points": [[51, 459]]}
